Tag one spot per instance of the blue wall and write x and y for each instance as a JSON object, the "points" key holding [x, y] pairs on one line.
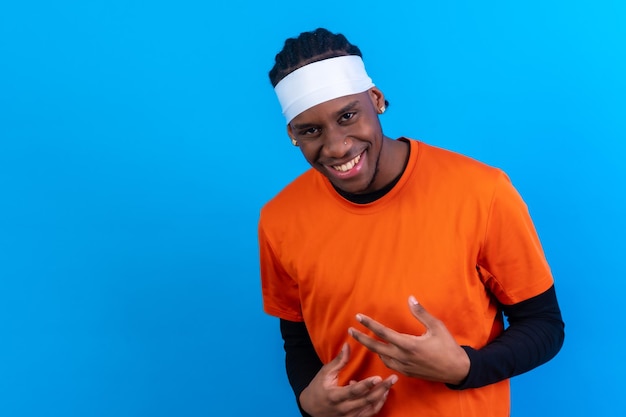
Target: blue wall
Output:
{"points": [[138, 141]]}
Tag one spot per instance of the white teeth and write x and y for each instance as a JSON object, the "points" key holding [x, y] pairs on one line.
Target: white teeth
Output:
{"points": [[348, 165]]}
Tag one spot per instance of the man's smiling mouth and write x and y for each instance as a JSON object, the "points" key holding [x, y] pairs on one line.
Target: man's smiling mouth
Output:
{"points": [[348, 165]]}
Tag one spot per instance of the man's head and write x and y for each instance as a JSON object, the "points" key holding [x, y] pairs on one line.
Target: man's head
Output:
{"points": [[332, 107], [338, 69]]}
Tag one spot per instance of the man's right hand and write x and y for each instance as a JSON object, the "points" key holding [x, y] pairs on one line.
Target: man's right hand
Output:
{"points": [[324, 398]]}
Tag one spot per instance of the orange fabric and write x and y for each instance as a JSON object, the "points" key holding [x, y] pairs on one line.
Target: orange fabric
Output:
{"points": [[324, 259]]}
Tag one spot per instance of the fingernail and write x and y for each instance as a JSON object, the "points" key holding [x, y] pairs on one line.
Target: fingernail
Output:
{"points": [[394, 379], [413, 301], [359, 318]]}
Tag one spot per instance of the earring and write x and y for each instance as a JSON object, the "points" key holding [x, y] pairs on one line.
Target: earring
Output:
{"points": [[294, 142], [382, 109], [345, 143]]}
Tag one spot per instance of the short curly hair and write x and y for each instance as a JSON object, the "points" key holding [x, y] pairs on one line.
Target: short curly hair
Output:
{"points": [[309, 47]]}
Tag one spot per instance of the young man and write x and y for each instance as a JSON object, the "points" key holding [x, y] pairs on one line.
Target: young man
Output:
{"points": [[349, 247]]}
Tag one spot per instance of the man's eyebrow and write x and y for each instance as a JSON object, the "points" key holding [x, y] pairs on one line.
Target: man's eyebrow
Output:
{"points": [[300, 126], [347, 107]]}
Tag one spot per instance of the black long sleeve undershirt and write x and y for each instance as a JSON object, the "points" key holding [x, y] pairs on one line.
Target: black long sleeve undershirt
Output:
{"points": [[301, 360], [534, 336]]}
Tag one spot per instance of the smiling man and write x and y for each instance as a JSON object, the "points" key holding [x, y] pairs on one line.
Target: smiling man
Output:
{"points": [[342, 138], [349, 247]]}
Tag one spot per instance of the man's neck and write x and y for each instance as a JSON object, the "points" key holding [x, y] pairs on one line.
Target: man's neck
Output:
{"points": [[375, 195]]}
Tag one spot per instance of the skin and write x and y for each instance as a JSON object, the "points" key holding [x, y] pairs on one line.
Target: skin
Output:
{"points": [[331, 134], [336, 131], [325, 398], [434, 355]]}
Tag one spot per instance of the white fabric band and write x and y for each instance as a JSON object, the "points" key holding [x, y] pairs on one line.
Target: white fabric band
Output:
{"points": [[321, 81]]}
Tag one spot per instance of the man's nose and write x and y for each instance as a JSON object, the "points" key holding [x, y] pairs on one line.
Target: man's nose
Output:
{"points": [[335, 142]]}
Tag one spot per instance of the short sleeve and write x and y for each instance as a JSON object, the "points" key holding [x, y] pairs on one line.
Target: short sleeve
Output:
{"points": [[511, 253], [281, 296]]}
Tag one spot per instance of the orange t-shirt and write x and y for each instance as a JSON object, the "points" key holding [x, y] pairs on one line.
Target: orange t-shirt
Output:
{"points": [[324, 259]]}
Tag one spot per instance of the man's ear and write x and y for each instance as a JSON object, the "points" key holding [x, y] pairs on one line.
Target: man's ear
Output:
{"points": [[378, 99], [294, 142]]}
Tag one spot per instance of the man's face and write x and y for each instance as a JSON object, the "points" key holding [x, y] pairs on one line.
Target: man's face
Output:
{"points": [[342, 138]]}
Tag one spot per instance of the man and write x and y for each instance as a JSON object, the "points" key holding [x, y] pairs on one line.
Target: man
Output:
{"points": [[349, 247]]}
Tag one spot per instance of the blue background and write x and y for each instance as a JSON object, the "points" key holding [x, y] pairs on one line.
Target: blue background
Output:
{"points": [[138, 141]]}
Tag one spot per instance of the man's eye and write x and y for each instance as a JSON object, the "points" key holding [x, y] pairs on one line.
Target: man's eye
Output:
{"points": [[310, 131], [347, 116]]}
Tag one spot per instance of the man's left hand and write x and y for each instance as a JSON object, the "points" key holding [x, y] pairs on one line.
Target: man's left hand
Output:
{"points": [[434, 355]]}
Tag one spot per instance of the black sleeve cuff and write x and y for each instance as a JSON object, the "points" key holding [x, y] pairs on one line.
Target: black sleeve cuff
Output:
{"points": [[534, 336]]}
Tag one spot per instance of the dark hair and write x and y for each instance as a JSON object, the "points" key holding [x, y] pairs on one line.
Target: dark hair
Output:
{"points": [[309, 47]]}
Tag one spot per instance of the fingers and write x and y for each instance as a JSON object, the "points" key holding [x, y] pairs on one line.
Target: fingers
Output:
{"points": [[358, 398], [340, 360], [377, 406], [387, 334], [420, 313], [373, 401], [379, 330], [371, 384], [370, 343], [366, 397], [368, 390], [360, 388], [382, 332]]}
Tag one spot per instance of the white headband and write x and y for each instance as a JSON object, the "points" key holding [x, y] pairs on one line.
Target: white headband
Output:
{"points": [[321, 81]]}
